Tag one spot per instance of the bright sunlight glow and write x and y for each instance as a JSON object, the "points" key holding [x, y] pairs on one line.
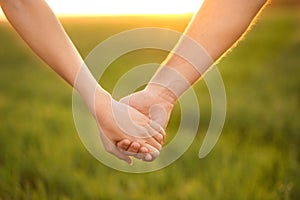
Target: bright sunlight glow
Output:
{"points": [[118, 7], [122, 7]]}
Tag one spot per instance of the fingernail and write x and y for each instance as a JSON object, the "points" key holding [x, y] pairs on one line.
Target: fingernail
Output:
{"points": [[160, 147], [160, 137], [129, 162], [148, 157]]}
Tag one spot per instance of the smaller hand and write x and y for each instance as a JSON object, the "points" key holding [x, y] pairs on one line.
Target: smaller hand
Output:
{"points": [[156, 103], [119, 122]]}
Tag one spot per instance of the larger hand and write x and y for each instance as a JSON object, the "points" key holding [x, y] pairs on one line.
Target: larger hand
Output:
{"points": [[155, 102]]}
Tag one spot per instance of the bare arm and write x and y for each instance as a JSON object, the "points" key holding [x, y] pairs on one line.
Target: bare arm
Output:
{"points": [[38, 26], [40, 29], [215, 28]]}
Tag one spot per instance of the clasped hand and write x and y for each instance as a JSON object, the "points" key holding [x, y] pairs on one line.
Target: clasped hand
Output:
{"points": [[135, 125]]}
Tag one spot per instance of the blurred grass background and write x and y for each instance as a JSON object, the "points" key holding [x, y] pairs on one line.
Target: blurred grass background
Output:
{"points": [[257, 156]]}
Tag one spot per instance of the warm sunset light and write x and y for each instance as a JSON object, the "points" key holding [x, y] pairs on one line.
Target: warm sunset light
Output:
{"points": [[122, 7]]}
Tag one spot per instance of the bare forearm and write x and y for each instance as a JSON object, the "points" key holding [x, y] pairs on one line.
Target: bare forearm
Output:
{"points": [[220, 23], [40, 29], [216, 27], [38, 26]]}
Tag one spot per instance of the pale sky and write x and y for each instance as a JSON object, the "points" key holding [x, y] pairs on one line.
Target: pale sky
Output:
{"points": [[113, 7]]}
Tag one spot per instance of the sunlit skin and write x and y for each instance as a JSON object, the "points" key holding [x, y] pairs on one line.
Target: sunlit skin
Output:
{"points": [[215, 31], [34, 14], [35, 21], [215, 35]]}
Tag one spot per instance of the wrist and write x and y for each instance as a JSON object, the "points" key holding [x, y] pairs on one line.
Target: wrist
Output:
{"points": [[162, 92], [95, 98], [102, 97], [102, 104], [170, 83]]}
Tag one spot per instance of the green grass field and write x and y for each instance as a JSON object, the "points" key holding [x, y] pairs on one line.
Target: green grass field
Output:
{"points": [[257, 156]]}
